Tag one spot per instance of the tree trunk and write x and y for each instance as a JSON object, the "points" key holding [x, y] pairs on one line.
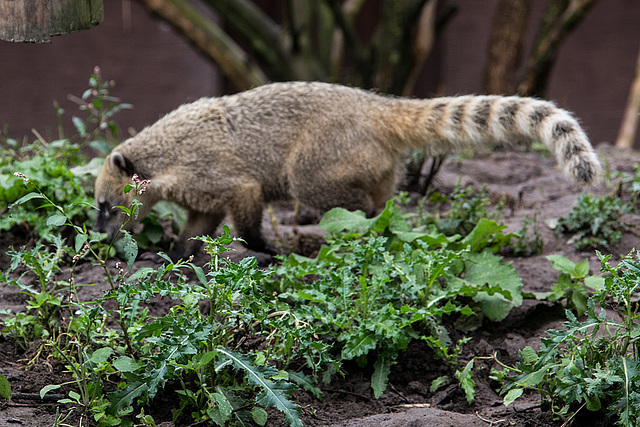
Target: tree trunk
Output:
{"points": [[38, 20], [505, 48], [629, 126]]}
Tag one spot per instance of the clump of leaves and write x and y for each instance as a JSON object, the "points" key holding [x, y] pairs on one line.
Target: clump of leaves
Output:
{"points": [[630, 184], [593, 363], [379, 284], [468, 206], [528, 241], [201, 350], [594, 222], [49, 172], [470, 215], [574, 283]]}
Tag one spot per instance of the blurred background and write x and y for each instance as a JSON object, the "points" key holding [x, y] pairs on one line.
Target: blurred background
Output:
{"points": [[417, 48]]}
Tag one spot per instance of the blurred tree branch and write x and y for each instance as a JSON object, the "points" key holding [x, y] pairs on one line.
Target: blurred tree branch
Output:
{"points": [[629, 126], [210, 39], [312, 42], [561, 16]]}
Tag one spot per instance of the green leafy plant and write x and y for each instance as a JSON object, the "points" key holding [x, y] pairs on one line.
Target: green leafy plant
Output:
{"points": [[528, 240], [594, 222], [379, 284], [573, 283], [468, 207], [188, 345], [629, 184], [593, 363]]}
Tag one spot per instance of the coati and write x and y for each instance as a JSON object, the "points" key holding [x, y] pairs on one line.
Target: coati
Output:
{"points": [[323, 145]]}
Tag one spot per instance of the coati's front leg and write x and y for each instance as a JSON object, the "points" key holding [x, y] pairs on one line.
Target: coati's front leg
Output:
{"points": [[198, 224]]}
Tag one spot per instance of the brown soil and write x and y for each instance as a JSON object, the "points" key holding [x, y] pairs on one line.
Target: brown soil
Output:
{"points": [[530, 183]]}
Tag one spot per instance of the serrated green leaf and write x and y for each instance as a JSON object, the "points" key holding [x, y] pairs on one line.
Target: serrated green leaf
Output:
{"points": [[442, 380], [101, 355], [122, 399], [380, 377], [466, 382], [130, 249], [306, 383], [46, 389], [259, 415], [5, 388], [359, 345], [529, 355], [221, 409], [282, 375], [271, 394], [512, 396], [484, 233], [125, 364], [534, 378]]}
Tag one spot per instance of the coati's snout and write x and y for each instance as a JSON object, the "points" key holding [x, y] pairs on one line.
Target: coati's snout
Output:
{"points": [[115, 174], [108, 219]]}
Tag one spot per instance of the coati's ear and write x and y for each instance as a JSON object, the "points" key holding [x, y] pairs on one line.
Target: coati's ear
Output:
{"points": [[118, 162]]}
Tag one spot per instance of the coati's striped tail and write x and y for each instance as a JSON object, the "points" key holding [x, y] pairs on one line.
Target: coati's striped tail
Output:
{"points": [[449, 122]]}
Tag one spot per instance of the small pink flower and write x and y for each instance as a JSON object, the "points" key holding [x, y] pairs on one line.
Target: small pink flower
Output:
{"points": [[21, 175], [96, 70]]}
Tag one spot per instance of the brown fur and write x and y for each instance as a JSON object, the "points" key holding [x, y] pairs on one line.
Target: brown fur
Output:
{"points": [[323, 145]]}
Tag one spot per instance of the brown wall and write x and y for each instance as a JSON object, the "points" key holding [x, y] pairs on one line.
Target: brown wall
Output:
{"points": [[153, 68], [156, 71]]}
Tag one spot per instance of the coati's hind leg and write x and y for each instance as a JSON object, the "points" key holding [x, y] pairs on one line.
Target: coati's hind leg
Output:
{"points": [[245, 209], [198, 224]]}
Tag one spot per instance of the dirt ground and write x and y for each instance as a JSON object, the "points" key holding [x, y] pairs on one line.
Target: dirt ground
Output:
{"points": [[530, 183]]}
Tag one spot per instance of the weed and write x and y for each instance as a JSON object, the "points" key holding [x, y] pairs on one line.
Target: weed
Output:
{"points": [[574, 283], [468, 206], [591, 363], [594, 222], [379, 284], [528, 241]]}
